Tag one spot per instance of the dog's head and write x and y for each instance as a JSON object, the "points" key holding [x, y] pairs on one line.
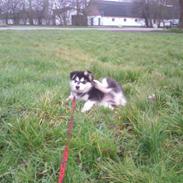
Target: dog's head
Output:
{"points": [[81, 81]]}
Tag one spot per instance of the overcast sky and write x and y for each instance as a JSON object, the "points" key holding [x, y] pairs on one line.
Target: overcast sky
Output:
{"points": [[118, 0]]}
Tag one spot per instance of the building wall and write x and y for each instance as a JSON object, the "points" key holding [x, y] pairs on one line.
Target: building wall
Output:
{"points": [[115, 21]]}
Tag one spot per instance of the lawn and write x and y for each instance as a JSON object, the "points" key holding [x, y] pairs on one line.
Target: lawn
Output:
{"points": [[141, 143]]}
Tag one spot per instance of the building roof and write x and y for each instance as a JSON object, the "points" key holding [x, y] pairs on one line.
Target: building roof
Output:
{"points": [[117, 9], [126, 9]]}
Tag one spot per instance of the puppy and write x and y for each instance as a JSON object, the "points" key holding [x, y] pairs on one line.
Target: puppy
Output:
{"points": [[107, 93]]}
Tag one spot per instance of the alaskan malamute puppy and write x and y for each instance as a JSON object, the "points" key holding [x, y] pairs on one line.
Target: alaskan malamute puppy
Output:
{"points": [[107, 93]]}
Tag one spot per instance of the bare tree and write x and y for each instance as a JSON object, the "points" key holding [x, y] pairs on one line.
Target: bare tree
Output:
{"points": [[10, 9], [30, 12], [43, 11], [82, 6], [155, 11], [4, 9], [62, 10], [181, 13], [37, 11]]}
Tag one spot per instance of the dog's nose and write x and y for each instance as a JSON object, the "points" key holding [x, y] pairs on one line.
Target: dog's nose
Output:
{"points": [[77, 87]]}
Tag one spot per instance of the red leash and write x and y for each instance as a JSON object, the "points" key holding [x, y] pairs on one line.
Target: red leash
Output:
{"points": [[63, 164]]}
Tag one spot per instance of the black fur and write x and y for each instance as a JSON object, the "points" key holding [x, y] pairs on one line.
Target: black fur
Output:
{"points": [[95, 94], [113, 84], [80, 74]]}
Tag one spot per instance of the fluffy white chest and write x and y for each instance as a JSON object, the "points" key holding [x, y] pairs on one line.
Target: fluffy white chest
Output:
{"points": [[81, 97], [85, 97]]}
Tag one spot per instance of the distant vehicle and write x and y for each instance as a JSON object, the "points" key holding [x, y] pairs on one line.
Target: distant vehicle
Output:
{"points": [[169, 23], [174, 22]]}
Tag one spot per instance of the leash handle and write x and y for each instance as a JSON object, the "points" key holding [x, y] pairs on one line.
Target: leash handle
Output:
{"points": [[63, 164]]}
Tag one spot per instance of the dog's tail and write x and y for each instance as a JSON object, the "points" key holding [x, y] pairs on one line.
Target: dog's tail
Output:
{"points": [[120, 99]]}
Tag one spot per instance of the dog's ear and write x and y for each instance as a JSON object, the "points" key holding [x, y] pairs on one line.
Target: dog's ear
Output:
{"points": [[89, 74], [73, 74]]}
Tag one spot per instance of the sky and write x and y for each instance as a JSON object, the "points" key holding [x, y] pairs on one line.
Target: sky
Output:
{"points": [[120, 0]]}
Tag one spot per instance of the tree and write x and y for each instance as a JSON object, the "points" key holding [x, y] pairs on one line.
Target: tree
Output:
{"points": [[30, 12], [61, 11], [82, 6], [155, 11], [42, 11], [11, 10], [181, 13]]}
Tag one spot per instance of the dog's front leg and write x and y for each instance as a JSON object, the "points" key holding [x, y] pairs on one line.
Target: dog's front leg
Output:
{"points": [[100, 86], [87, 106]]}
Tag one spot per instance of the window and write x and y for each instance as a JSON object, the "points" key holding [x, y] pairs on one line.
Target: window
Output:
{"points": [[113, 19], [124, 19]]}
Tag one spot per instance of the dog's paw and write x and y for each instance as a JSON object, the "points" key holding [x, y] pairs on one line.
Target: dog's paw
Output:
{"points": [[87, 106], [83, 110], [96, 82]]}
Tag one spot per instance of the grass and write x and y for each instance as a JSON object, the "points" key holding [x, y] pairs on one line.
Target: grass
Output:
{"points": [[176, 30], [142, 142]]}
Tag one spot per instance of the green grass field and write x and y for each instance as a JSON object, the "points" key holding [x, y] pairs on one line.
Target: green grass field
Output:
{"points": [[141, 143]]}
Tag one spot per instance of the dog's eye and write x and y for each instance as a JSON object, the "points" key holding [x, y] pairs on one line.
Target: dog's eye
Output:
{"points": [[84, 82], [75, 81]]}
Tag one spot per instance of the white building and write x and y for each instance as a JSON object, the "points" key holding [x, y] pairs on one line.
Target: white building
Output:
{"points": [[110, 13], [115, 21]]}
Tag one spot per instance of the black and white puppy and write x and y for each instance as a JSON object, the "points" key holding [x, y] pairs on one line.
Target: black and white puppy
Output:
{"points": [[107, 93]]}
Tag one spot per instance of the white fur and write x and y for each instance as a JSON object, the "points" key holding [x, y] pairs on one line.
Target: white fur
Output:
{"points": [[88, 105], [83, 88]]}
